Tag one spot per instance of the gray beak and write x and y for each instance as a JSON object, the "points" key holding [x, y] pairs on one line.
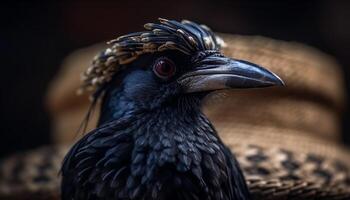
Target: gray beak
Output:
{"points": [[218, 72]]}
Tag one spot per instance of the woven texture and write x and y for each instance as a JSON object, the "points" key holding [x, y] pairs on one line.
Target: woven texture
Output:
{"points": [[271, 173], [304, 69], [286, 139]]}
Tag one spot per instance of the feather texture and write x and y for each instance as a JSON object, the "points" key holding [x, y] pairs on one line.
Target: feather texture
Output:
{"points": [[142, 162], [186, 37]]}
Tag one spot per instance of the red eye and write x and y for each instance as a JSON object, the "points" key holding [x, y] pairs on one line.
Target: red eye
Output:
{"points": [[164, 68]]}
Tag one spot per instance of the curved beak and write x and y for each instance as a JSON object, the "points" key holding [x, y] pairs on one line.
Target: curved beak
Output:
{"points": [[218, 72]]}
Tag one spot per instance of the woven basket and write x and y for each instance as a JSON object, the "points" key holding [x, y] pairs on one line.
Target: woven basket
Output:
{"points": [[286, 139]]}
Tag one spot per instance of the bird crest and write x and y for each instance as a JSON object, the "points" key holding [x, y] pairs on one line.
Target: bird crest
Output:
{"points": [[185, 36]]}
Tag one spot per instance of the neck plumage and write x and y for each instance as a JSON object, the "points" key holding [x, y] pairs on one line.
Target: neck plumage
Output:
{"points": [[163, 145], [182, 117], [115, 106]]}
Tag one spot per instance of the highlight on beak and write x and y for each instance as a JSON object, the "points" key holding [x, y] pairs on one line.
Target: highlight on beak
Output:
{"points": [[219, 72]]}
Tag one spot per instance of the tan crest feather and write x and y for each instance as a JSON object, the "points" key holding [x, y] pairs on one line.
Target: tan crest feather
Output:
{"points": [[185, 36]]}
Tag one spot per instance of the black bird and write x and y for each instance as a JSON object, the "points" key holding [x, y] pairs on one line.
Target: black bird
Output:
{"points": [[152, 141]]}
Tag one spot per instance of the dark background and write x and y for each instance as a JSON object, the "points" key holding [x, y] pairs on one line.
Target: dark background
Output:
{"points": [[35, 37]]}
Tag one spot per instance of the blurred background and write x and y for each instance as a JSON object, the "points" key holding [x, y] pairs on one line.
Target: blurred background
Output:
{"points": [[36, 37]]}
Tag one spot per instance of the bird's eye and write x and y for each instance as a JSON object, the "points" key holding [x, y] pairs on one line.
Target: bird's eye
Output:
{"points": [[164, 68]]}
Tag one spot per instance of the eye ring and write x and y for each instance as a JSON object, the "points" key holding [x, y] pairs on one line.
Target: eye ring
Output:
{"points": [[164, 68]]}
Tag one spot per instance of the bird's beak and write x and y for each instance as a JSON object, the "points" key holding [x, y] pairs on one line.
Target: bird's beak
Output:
{"points": [[219, 72]]}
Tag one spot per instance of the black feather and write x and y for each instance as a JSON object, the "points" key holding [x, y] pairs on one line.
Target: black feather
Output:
{"points": [[152, 141]]}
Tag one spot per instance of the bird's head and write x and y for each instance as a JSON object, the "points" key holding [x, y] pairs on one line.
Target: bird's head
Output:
{"points": [[171, 61]]}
